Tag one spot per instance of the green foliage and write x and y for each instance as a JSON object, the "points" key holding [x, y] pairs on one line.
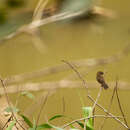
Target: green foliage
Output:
{"points": [[55, 117], [71, 126], [11, 125], [44, 126], [12, 109], [87, 112], [28, 94], [34, 127], [28, 122], [80, 124]]}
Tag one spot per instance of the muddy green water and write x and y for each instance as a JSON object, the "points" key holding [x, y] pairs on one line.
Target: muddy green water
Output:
{"points": [[87, 39]]}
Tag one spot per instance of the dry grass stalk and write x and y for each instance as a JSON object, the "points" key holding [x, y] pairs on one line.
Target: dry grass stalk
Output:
{"points": [[37, 15], [34, 106], [111, 101], [82, 119], [98, 96], [78, 74], [13, 115], [95, 102], [45, 97], [119, 103], [110, 114]]}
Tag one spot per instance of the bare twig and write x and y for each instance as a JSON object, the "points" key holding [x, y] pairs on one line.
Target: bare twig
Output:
{"points": [[18, 95], [37, 15], [78, 74], [120, 107], [6, 95], [83, 71], [33, 106], [85, 123], [85, 85], [103, 122], [86, 118], [98, 96], [42, 106], [9, 104], [7, 122], [106, 111]]}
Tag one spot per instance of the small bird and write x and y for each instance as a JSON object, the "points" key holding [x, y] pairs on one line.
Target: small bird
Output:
{"points": [[100, 79]]}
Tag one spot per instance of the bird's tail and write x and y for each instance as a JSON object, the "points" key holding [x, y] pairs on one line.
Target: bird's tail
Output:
{"points": [[105, 86]]}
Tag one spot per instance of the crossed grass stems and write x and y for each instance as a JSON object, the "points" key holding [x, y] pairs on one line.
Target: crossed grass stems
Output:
{"points": [[95, 103], [108, 114]]}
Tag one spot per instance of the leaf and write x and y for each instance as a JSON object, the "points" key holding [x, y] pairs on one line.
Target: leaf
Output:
{"points": [[71, 126], [28, 122], [55, 117], [81, 124], [44, 126], [87, 112], [34, 127], [11, 125], [10, 109], [28, 94], [40, 127]]}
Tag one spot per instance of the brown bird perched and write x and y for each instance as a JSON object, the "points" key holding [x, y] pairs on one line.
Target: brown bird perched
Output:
{"points": [[100, 79]]}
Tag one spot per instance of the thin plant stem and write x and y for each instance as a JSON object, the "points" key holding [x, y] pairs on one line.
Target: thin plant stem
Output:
{"points": [[98, 96], [18, 96], [78, 74], [81, 99], [7, 122], [85, 123], [106, 111], [43, 104], [119, 103], [9, 104], [86, 118], [103, 122]]}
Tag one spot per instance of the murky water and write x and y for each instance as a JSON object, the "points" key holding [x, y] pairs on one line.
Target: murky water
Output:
{"points": [[98, 38]]}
